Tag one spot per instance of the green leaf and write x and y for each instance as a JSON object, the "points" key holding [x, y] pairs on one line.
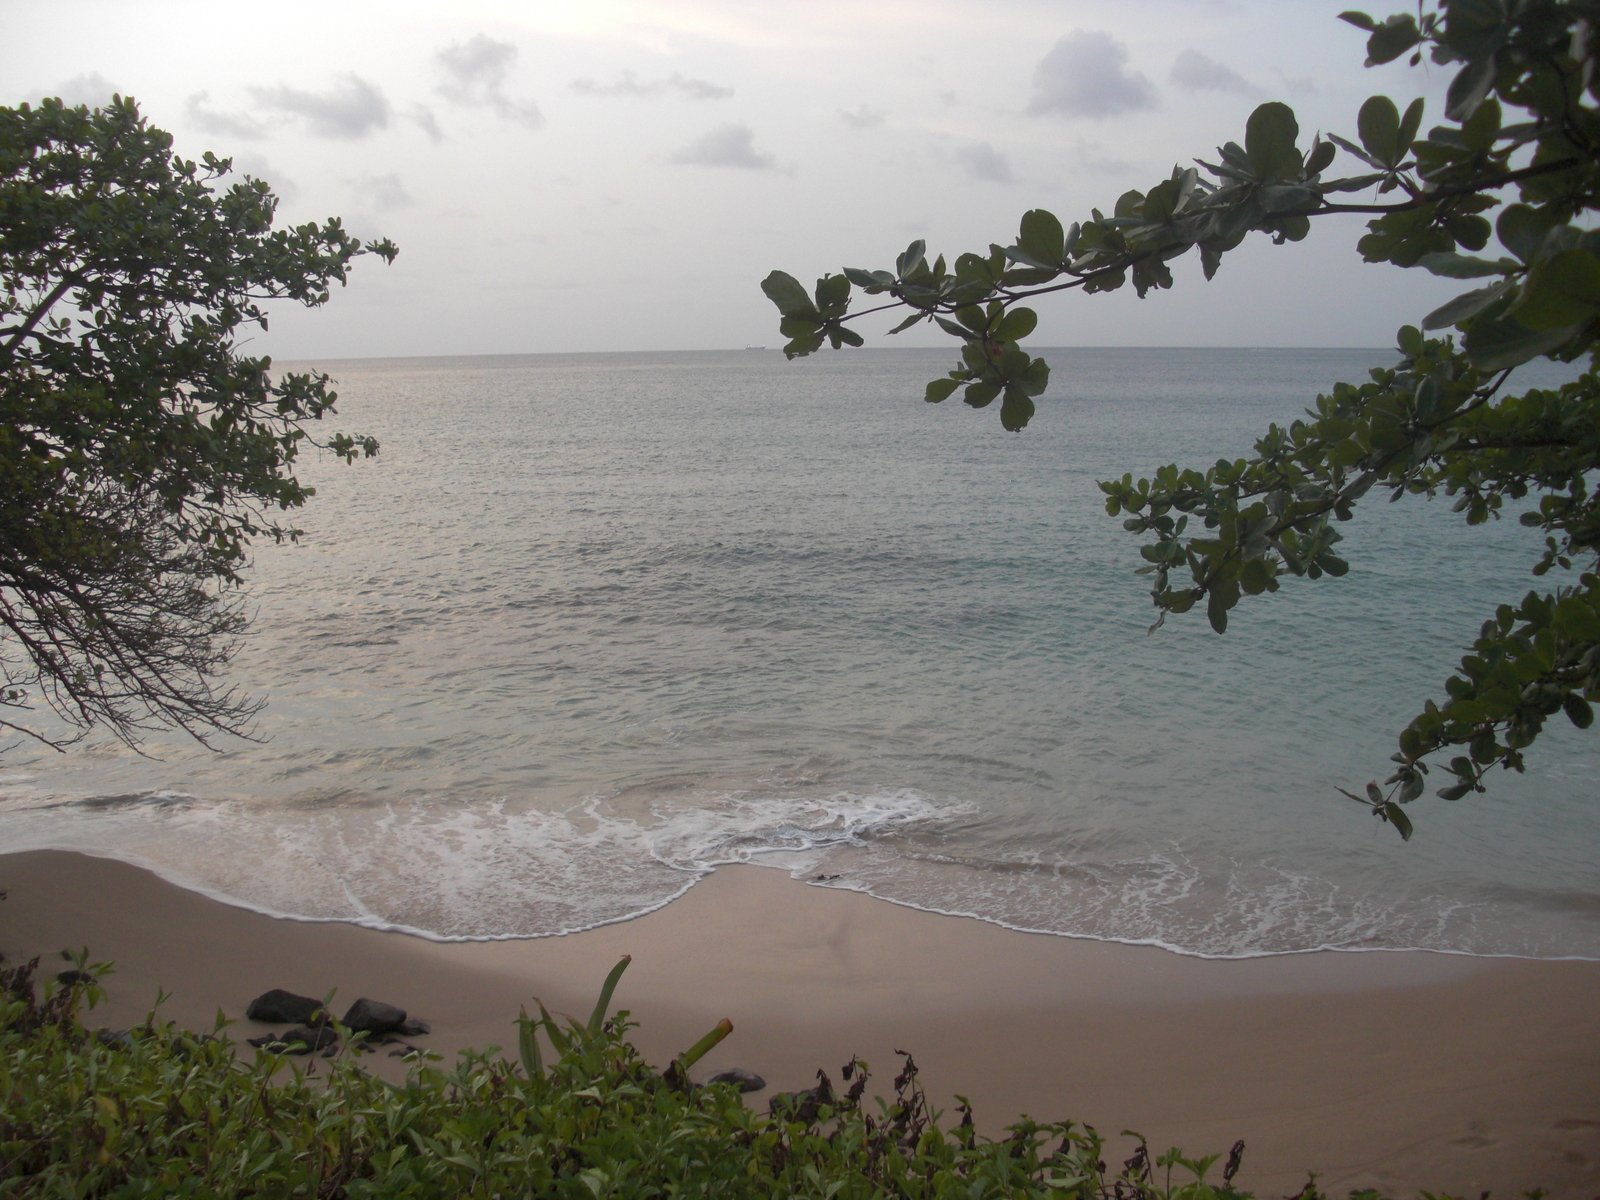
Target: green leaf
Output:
{"points": [[1288, 197], [1028, 276], [1180, 601], [800, 327], [1522, 229], [1409, 124], [1290, 228], [1016, 410], [1036, 377], [1480, 130], [558, 1037], [981, 393], [940, 389], [1269, 141], [602, 1004], [1461, 266], [1560, 291], [973, 268], [871, 281], [1041, 241], [1319, 156], [1396, 816], [1160, 202], [972, 317], [699, 1050], [1495, 344], [1578, 710], [1469, 88], [1359, 19], [1107, 281], [1393, 38], [1378, 125], [1017, 324], [801, 345], [1355, 183], [1467, 305], [785, 291], [1217, 611], [1340, 185], [528, 1046], [914, 257], [1254, 577], [833, 292]]}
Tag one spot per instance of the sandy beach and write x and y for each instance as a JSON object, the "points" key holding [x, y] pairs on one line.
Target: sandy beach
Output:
{"points": [[1393, 1070]]}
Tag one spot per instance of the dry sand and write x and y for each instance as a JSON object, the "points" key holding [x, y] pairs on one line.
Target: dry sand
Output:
{"points": [[1397, 1071]]}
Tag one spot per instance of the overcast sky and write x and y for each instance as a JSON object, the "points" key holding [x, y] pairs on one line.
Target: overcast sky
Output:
{"points": [[621, 174]]}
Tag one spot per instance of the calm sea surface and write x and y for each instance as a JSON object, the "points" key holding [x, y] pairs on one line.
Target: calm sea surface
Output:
{"points": [[592, 625]]}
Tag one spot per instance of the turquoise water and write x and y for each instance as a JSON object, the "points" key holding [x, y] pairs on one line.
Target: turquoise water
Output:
{"points": [[594, 624]]}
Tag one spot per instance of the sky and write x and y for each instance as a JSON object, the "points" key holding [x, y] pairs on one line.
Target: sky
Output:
{"points": [[621, 174]]}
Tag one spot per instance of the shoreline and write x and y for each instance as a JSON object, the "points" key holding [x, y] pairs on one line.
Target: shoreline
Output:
{"points": [[375, 925], [1399, 1070]]}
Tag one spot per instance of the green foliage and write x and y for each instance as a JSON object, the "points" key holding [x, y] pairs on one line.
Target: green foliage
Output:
{"points": [[159, 1111], [589, 1041], [1521, 142], [140, 450]]}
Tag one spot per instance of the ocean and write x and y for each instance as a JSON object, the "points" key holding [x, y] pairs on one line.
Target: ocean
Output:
{"points": [[593, 625]]}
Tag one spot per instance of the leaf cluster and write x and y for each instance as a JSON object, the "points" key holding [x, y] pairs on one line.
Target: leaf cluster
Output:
{"points": [[1515, 162], [140, 449]]}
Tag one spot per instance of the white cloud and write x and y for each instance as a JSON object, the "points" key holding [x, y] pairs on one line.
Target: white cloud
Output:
{"points": [[725, 146], [1303, 84], [224, 124], [350, 110], [1197, 73], [1086, 74], [476, 68], [629, 84], [863, 117], [877, 140], [90, 88], [383, 192], [983, 162], [476, 73], [422, 117]]}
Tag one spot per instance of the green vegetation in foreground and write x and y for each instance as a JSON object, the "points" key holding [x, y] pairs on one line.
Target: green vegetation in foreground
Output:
{"points": [[163, 1112], [1520, 140]]}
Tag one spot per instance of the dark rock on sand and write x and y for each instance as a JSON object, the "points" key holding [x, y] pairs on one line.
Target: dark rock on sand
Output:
{"points": [[745, 1081], [302, 1039], [280, 1007], [374, 1017]]}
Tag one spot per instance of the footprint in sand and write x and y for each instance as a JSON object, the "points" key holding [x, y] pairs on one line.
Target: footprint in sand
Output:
{"points": [[1476, 1138]]}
